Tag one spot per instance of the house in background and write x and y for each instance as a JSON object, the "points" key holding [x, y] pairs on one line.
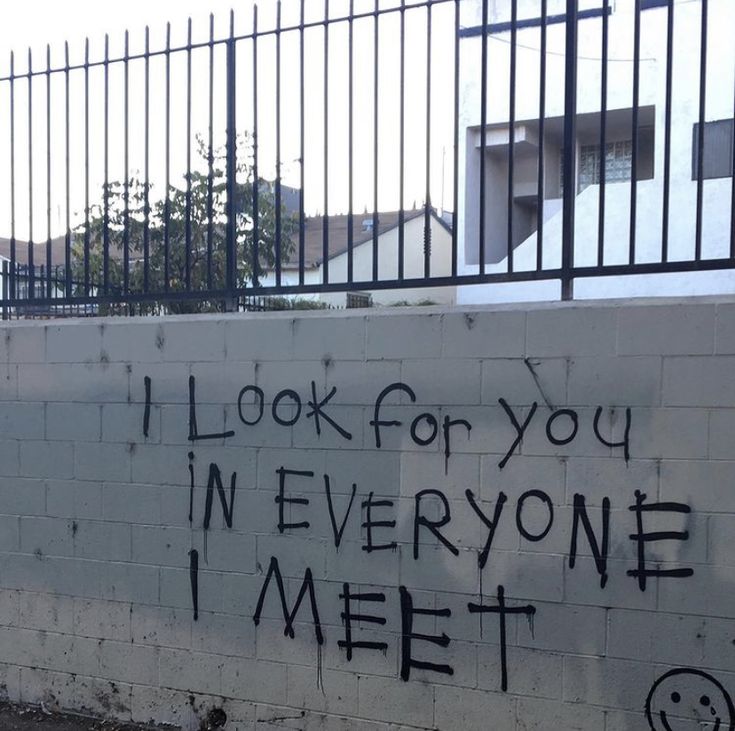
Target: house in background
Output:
{"points": [[529, 209], [440, 258]]}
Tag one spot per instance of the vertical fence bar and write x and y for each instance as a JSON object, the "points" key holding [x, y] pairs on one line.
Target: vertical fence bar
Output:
{"points": [[256, 177], [635, 118], [67, 237], [278, 144], [325, 218], [48, 172], [231, 231], [700, 131], [31, 272], [455, 177], [146, 173], [210, 156], [541, 182], [187, 235], [86, 168], [106, 196], [402, 148], [351, 144], [512, 128], [302, 84], [732, 196], [603, 136], [570, 141], [483, 136], [167, 182], [376, 92], [12, 178], [667, 132], [5, 286], [126, 165], [427, 195]]}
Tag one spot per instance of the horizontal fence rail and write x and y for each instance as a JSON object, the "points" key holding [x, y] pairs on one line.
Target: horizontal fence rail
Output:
{"points": [[368, 145]]}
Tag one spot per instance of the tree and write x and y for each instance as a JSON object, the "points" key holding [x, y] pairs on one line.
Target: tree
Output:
{"points": [[167, 220]]}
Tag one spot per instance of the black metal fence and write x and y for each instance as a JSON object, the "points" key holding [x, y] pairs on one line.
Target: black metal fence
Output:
{"points": [[397, 76]]}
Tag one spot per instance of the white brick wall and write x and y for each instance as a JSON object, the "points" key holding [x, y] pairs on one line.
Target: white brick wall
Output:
{"points": [[96, 608]]}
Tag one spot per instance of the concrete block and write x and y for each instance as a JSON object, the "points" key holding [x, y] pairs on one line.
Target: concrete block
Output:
{"points": [[611, 477], [102, 619], [318, 337], [138, 341], [21, 496], [460, 708], [123, 423], [606, 682], [129, 663], [360, 383], [46, 612], [76, 422], [161, 626], [571, 331], [256, 680], [191, 341], [20, 420], [564, 628], [134, 503], [26, 342], [196, 672], [160, 546], [127, 582], [9, 458], [404, 336], [484, 334], [102, 462], [721, 425], [258, 338], [102, 540], [535, 714], [45, 536], [521, 382], [223, 634], [699, 381], [725, 328], [47, 459], [622, 381], [667, 433], [686, 329], [443, 381], [530, 672], [387, 699], [71, 499], [72, 342]]}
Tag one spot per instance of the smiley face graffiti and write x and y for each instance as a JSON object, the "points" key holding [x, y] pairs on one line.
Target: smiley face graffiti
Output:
{"points": [[683, 698]]}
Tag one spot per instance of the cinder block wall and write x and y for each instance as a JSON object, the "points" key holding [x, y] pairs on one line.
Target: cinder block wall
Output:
{"points": [[546, 534]]}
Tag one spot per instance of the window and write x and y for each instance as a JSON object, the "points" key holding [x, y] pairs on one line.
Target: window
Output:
{"points": [[356, 300], [717, 150], [618, 163]]}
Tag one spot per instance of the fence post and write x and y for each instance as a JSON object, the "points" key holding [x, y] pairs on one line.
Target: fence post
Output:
{"points": [[5, 279], [231, 183], [570, 149]]}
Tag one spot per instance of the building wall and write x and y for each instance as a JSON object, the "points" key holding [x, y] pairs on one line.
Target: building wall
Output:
{"points": [[440, 261], [99, 521], [685, 102]]}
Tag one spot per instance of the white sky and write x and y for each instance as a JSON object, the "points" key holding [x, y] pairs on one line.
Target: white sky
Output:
{"points": [[38, 22]]}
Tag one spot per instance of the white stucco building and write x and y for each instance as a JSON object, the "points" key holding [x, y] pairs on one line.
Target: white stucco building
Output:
{"points": [[718, 149]]}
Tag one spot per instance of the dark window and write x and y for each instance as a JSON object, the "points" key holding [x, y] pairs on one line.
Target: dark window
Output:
{"points": [[716, 151], [356, 300]]}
